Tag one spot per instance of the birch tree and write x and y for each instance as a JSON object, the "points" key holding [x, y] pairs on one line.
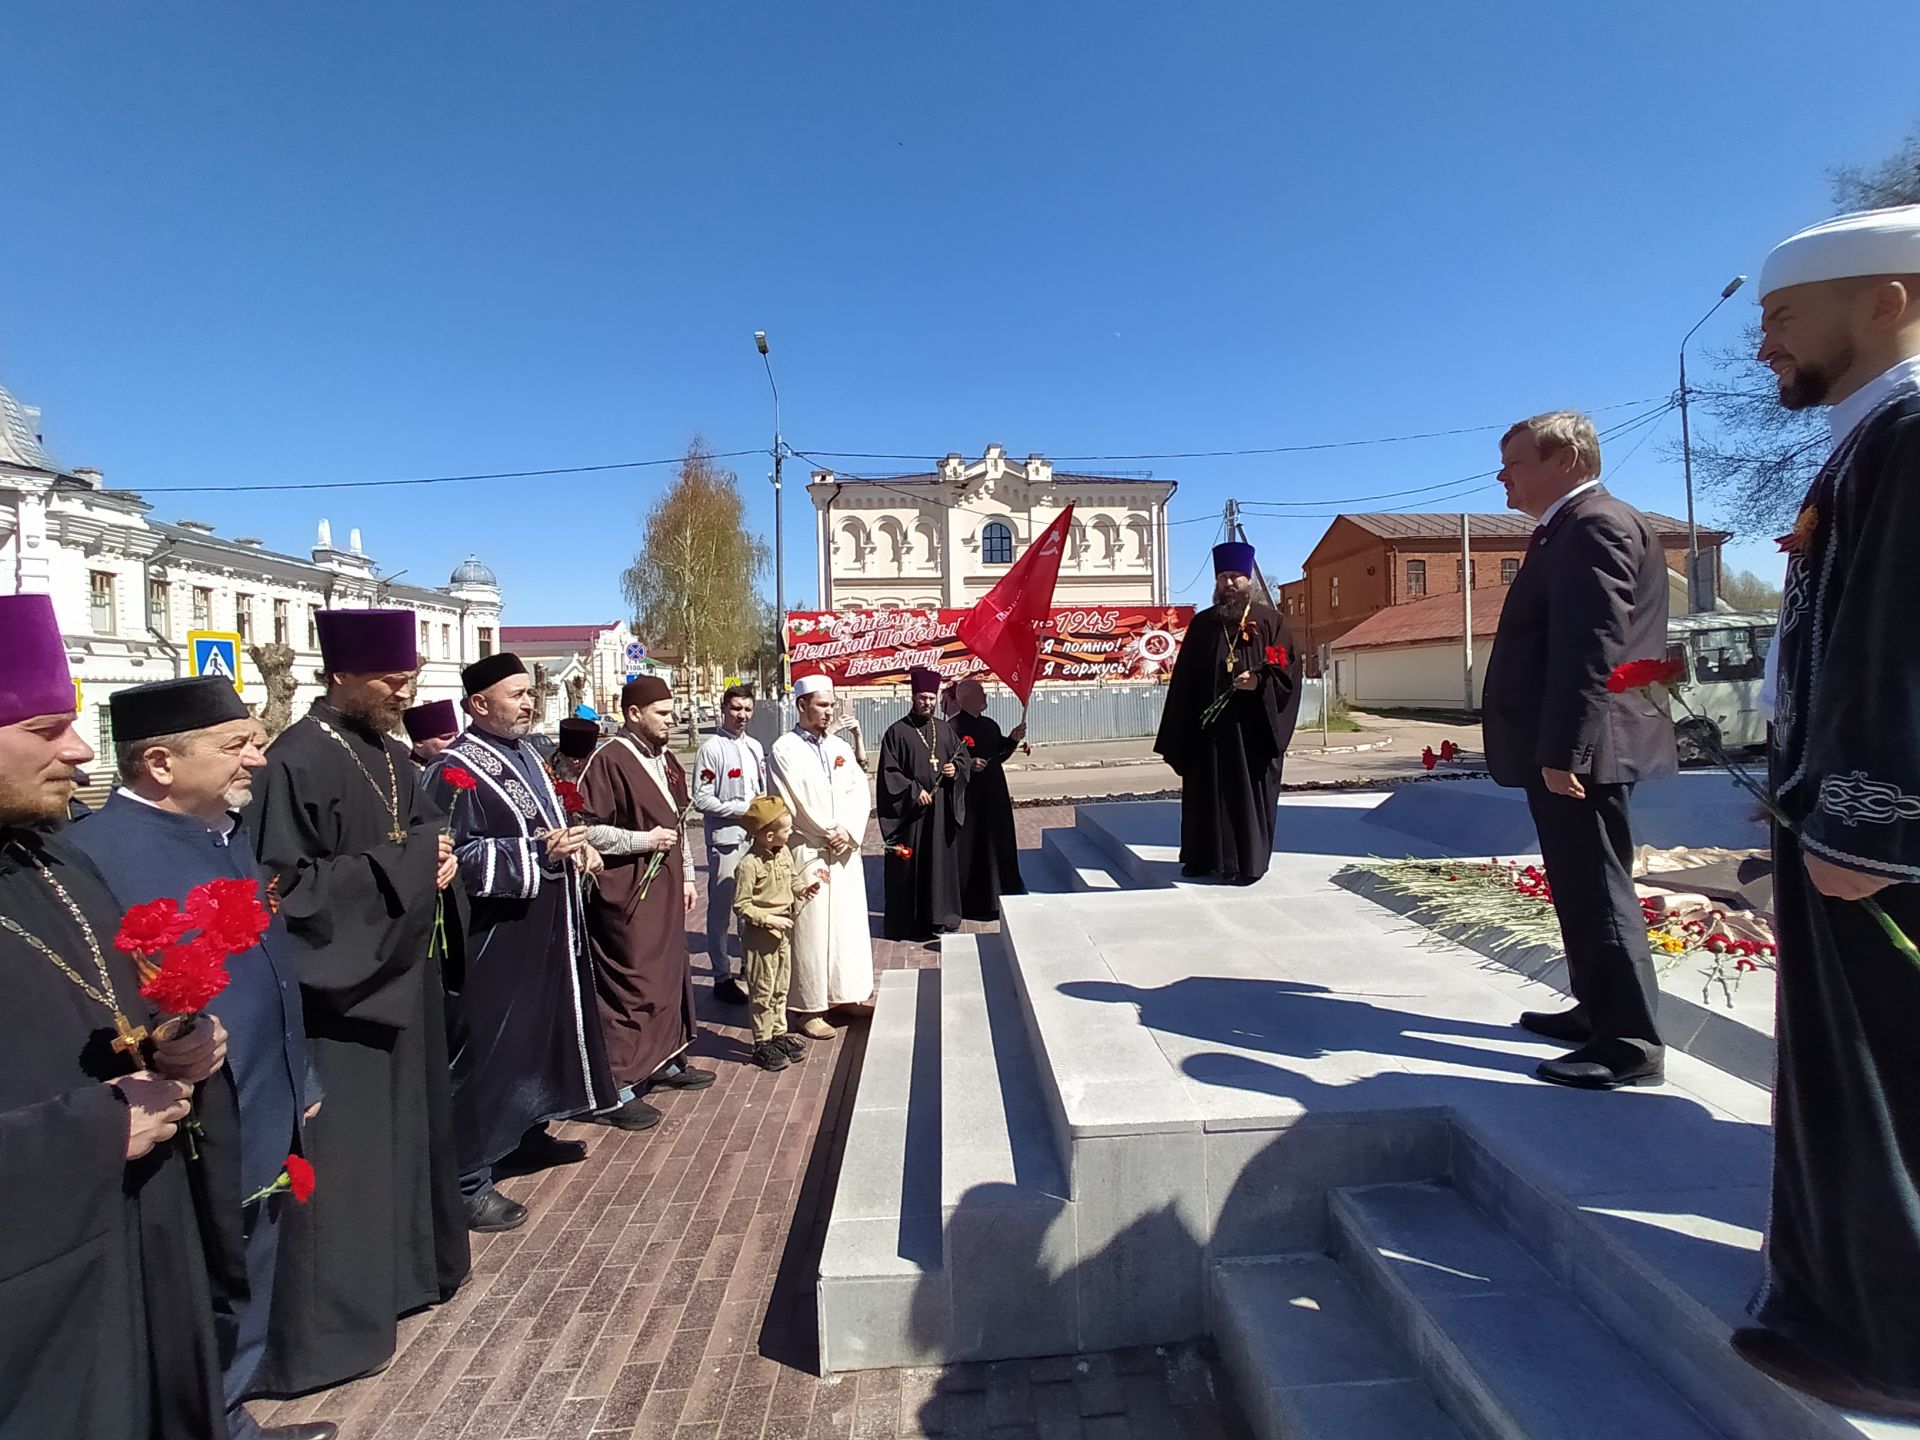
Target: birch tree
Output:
{"points": [[692, 584]]}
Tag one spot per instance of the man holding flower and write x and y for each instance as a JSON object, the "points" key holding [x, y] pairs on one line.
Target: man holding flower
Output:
{"points": [[637, 805], [1231, 704], [1840, 1303], [524, 1034], [1591, 593], [187, 753], [106, 1323]]}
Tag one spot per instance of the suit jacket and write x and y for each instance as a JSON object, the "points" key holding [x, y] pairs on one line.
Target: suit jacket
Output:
{"points": [[1591, 594], [146, 853]]}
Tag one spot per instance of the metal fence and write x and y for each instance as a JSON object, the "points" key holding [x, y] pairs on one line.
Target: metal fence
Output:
{"points": [[1063, 714]]}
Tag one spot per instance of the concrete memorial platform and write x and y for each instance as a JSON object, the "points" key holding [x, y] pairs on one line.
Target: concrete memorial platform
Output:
{"points": [[1285, 1116]]}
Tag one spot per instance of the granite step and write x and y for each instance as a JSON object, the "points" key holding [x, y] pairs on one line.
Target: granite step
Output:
{"points": [[882, 1297], [1008, 1224], [1501, 1344], [1311, 1361], [1088, 866]]}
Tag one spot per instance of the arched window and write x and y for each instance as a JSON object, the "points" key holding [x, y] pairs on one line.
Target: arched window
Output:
{"points": [[996, 544]]}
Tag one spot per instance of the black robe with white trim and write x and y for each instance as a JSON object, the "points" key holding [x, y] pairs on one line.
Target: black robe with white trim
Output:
{"points": [[1843, 1243]]}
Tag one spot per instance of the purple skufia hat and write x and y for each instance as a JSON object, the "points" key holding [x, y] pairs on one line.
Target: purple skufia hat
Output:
{"points": [[366, 642], [34, 679], [924, 679], [431, 720]]}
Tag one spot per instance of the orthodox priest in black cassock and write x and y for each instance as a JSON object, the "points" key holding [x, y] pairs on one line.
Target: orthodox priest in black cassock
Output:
{"points": [[106, 1320], [351, 843], [1228, 755], [921, 800], [989, 851], [528, 1046], [1840, 1302]]}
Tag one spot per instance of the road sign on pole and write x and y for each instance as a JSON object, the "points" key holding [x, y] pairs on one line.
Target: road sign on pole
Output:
{"points": [[217, 652]]}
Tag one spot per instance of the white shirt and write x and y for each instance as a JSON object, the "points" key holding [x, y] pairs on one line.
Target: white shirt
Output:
{"points": [[1555, 508], [1844, 417], [221, 832]]}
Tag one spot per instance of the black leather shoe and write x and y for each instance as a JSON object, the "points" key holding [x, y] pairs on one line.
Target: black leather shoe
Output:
{"points": [[636, 1114], [1606, 1065], [1779, 1357], [683, 1077], [729, 992], [491, 1211], [542, 1150], [304, 1430], [771, 1055], [1569, 1026]]}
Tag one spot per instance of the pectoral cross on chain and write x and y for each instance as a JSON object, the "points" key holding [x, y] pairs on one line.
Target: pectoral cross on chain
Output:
{"points": [[128, 1037]]}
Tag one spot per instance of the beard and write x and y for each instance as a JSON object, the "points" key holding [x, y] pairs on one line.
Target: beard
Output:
{"points": [[36, 805], [380, 716], [1812, 383]]}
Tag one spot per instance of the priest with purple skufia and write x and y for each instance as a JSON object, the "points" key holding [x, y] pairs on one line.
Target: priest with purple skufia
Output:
{"points": [[920, 797], [1231, 704], [106, 1323], [353, 847], [430, 728]]}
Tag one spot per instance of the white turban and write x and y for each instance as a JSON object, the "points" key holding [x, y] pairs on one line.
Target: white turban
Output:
{"points": [[807, 684], [1870, 242]]}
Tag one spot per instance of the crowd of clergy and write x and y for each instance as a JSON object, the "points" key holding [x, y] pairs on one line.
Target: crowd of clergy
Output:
{"points": [[458, 945], [435, 949]]}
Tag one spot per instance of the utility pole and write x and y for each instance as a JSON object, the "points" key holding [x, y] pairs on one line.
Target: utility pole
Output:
{"points": [[1466, 607], [1697, 597], [779, 544]]}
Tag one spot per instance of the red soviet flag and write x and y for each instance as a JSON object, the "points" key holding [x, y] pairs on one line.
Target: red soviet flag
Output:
{"points": [[1004, 627]]}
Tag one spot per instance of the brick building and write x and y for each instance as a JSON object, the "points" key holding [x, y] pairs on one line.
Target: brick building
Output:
{"points": [[1365, 563]]}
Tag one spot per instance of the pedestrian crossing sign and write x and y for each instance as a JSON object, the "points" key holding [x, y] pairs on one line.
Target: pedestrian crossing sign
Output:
{"points": [[217, 652]]}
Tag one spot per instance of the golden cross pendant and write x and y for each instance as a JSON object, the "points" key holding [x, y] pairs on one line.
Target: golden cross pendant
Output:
{"points": [[128, 1038], [397, 835]]}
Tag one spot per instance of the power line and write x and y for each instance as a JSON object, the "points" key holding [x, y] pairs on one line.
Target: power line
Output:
{"points": [[435, 479], [1224, 454]]}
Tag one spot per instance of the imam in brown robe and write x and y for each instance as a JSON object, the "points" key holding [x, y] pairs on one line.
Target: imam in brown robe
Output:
{"points": [[640, 966]]}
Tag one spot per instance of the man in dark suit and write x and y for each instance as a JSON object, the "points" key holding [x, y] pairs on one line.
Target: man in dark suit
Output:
{"points": [[187, 752], [1591, 593]]}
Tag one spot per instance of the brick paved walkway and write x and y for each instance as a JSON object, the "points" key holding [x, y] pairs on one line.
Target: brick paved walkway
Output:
{"points": [[664, 1288]]}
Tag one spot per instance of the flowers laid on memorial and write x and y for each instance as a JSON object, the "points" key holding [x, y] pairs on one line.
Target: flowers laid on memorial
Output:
{"points": [[1644, 675], [1506, 902], [296, 1178]]}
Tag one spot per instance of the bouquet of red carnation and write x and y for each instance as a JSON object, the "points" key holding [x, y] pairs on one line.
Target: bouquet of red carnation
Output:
{"points": [[296, 1178], [572, 804], [182, 975], [1667, 674]]}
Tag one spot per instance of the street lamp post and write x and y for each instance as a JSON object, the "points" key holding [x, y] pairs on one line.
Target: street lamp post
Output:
{"points": [[779, 540], [1696, 592]]}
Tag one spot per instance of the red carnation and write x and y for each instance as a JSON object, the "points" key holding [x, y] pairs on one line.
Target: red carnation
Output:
{"points": [[570, 797], [295, 1177], [460, 779], [969, 740], [150, 928], [1643, 674], [1743, 963], [190, 975], [733, 774], [299, 1178], [1427, 757], [903, 852], [1277, 655], [838, 761], [707, 775], [230, 912]]}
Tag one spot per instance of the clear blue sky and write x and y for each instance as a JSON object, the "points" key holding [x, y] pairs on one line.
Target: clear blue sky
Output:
{"points": [[252, 242]]}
